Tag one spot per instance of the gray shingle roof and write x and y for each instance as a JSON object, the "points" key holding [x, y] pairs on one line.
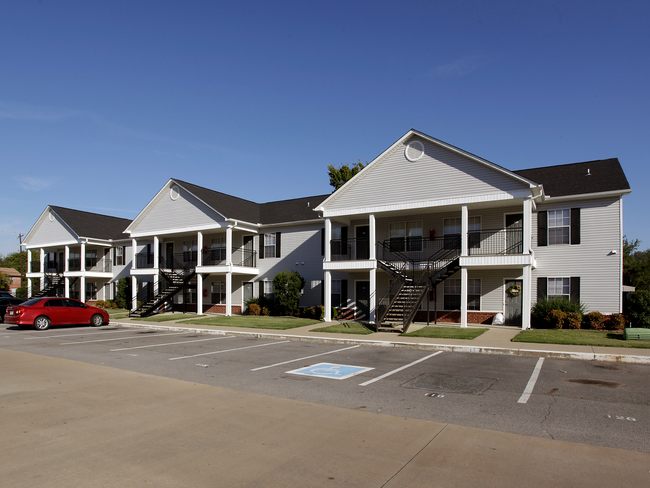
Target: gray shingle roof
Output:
{"points": [[87, 224], [604, 175]]}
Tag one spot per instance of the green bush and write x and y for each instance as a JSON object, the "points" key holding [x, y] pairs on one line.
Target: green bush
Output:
{"points": [[593, 321], [543, 308], [287, 288], [335, 313], [555, 319], [616, 321], [638, 308], [266, 311], [573, 320]]}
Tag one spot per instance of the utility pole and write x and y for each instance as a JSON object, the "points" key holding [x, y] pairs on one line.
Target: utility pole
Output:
{"points": [[20, 252]]}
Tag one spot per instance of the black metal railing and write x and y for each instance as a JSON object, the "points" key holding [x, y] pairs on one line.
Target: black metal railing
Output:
{"points": [[35, 266], [144, 259], [349, 249], [74, 264], [240, 257], [178, 261], [495, 242]]}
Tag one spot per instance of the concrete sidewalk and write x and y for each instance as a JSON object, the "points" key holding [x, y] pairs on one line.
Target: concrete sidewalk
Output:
{"points": [[67, 423], [497, 340]]}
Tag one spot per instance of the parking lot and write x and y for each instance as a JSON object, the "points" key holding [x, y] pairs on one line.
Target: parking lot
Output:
{"points": [[589, 402]]}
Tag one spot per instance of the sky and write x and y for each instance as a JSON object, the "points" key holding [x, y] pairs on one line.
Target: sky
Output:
{"points": [[102, 102]]}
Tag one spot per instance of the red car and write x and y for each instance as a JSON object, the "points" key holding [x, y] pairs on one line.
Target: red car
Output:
{"points": [[43, 312]]}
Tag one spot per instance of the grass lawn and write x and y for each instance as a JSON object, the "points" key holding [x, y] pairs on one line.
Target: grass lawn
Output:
{"points": [[116, 311], [446, 333], [346, 328], [118, 316], [254, 322], [167, 317], [606, 338]]}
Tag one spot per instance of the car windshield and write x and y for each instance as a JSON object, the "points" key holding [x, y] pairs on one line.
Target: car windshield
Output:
{"points": [[33, 301]]}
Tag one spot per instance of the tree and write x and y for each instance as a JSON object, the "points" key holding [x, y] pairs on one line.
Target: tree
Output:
{"points": [[636, 265], [4, 282], [123, 294], [338, 176], [287, 287], [638, 308]]}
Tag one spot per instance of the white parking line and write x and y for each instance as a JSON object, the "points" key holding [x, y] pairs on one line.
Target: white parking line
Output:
{"points": [[228, 350], [119, 338], [173, 343], [531, 382], [300, 359], [399, 369], [36, 336]]}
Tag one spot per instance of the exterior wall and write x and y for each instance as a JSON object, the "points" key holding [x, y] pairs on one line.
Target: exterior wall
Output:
{"points": [[592, 260], [438, 175], [50, 232]]}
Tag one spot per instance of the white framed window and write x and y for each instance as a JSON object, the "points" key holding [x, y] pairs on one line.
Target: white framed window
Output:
{"points": [[218, 249], [119, 256], [91, 291], [336, 293], [559, 288], [268, 290], [218, 292], [269, 245], [559, 226], [189, 252], [406, 236], [452, 293]]}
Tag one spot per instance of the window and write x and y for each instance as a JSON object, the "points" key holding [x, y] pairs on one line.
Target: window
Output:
{"points": [[268, 290], [406, 236], [451, 230], [474, 228], [218, 249], [91, 291], [189, 252], [269, 245], [119, 256], [91, 258], [559, 288], [453, 295], [559, 222], [336, 293], [218, 290]]}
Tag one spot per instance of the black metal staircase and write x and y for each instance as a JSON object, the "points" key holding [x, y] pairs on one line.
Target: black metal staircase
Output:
{"points": [[413, 278], [54, 283]]}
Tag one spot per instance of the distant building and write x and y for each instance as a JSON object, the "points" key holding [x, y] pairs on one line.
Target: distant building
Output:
{"points": [[15, 281]]}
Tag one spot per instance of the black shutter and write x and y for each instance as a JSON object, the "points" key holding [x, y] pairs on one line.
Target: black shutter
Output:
{"points": [[261, 294], [344, 293], [575, 226], [344, 241], [261, 245], [542, 228], [542, 288], [114, 255], [322, 242], [322, 292], [575, 288], [278, 253]]}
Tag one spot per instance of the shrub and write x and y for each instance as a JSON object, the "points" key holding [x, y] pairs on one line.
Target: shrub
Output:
{"points": [[593, 321], [555, 319], [572, 320], [100, 304], [335, 313], [266, 311], [287, 286], [616, 321], [543, 308], [123, 295], [254, 309], [638, 308]]}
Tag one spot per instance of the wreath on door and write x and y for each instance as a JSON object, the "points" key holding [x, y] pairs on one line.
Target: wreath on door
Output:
{"points": [[514, 290]]}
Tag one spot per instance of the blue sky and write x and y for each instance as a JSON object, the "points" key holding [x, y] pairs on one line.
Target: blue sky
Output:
{"points": [[101, 102]]}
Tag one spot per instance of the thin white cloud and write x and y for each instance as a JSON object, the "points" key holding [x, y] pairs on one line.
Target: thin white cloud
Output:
{"points": [[460, 67], [19, 111], [30, 183]]}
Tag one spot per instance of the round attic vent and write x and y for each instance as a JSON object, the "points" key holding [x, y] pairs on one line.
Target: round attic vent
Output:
{"points": [[414, 150], [51, 217], [174, 192]]}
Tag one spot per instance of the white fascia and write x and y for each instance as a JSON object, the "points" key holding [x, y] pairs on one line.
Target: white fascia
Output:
{"points": [[586, 196], [50, 244], [179, 230]]}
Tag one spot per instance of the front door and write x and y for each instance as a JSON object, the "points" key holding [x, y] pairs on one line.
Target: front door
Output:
{"points": [[363, 300], [513, 302], [514, 233], [363, 242], [169, 254]]}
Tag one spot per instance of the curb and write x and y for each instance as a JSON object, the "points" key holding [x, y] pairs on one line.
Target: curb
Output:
{"points": [[501, 351]]}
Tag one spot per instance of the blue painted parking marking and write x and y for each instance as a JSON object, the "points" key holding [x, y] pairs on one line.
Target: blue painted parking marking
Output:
{"points": [[332, 371]]}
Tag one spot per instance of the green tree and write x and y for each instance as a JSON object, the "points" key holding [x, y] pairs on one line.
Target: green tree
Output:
{"points": [[4, 282], [123, 294], [339, 176], [12, 260], [287, 286], [638, 308], [636, 265]]}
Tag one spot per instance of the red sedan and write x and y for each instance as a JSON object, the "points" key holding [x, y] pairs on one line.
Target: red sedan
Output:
{"points": [[43, 312]]}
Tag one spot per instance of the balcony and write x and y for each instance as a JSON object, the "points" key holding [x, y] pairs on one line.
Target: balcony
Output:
{"points": [[496, 242], [144, 260], [240, 257]]}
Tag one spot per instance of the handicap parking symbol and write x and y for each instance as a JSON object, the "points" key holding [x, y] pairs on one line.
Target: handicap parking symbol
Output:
{"points": [[332, 371]]}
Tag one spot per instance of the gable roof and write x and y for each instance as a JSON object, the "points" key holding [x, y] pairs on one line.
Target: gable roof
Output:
{"points": [[88, 224], [604, 175], [9, 272]]}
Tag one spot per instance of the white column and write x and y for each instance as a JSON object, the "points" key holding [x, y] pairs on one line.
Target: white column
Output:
{"points": [[327, 293], [228, 246], [67, 259], [464, 229], [372, 237], [29, 262], [134, 260], [373, 294], [228, 294], [82, 256], [134, 292], [156, 252], [199, 293], [66, 285], [29, 288], [528, 225], [199, 250], [463, 297], [82, 288], [526, 297], [328, 246], [42, 270]]}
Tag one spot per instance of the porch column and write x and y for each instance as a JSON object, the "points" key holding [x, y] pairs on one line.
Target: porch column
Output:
{"points": [[82, 257], [66, 285], [29, 261], [42, 270], [463, 296], [526, 296], [66, 257], [134, 292], [134, 261], [82, 288], [372, 237], [228, 246], [373, 294], [156, 252], [199, 292], [464, 229], [528, 225], [327, 293], [328, 246], [228, 294], [199, 244]]}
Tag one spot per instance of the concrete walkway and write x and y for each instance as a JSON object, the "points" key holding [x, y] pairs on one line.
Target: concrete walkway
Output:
{"points": [[497, 340]]}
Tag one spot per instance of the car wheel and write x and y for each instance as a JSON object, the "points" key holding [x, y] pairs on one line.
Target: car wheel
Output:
{"points": [[42, 323], [96, 320]]}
